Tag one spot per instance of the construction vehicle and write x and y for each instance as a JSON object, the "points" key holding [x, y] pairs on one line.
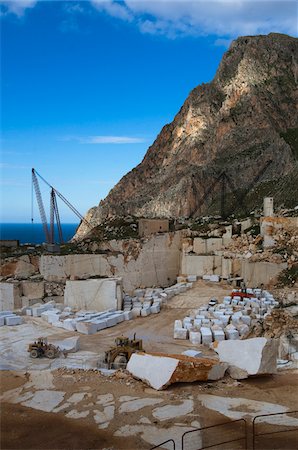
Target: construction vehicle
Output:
{"points": [[117, 357], [41, 348], [241, 293]]}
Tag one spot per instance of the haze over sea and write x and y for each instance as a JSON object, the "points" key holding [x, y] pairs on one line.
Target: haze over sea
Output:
{"points": [[33, 232]]}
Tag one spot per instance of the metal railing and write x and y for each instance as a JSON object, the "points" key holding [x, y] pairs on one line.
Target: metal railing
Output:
{"points": [[165, 442], [223, 424], [256, 432], [255, 425]]}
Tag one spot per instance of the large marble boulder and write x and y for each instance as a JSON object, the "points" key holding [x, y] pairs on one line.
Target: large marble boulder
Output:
{"points": [[256, 356], [160, 370]]}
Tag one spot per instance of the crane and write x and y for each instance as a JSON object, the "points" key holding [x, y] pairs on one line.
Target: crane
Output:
{"points": [[54, 212]]}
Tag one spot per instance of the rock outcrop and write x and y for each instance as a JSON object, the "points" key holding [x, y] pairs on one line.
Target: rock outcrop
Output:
{"points": [[241, 122]]}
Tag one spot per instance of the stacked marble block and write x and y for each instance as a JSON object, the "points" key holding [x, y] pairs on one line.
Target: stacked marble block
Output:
{"points": [[149, 301], [145, 302], [231, 319], [86, 322], [9, 318]]}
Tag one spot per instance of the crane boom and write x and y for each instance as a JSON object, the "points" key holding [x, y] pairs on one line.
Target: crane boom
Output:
{"points": [[40, 206], [70, 206]]}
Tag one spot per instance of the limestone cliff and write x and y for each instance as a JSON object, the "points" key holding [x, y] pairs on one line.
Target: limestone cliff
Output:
{"points": [[244, 118]]}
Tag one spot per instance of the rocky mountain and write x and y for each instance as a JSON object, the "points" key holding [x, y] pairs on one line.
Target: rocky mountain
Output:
{"points": [[236, 134]]}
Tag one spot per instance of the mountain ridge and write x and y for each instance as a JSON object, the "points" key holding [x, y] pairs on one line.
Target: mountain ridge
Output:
{"points": [[236, 124]]}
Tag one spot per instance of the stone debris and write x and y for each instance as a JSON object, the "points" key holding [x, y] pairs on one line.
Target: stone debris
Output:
{"points": [[232, 319], [256, 356], [10, 319], [161, 370]]}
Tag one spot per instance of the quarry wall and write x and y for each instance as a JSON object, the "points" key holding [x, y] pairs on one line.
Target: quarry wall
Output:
{"points": [[155, 262]]}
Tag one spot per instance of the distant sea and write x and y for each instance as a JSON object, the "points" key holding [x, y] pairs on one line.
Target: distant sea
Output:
{"points": [[28, 233]]}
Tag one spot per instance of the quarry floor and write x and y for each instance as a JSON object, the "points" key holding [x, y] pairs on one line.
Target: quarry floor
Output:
{"points": [[45, 406]]}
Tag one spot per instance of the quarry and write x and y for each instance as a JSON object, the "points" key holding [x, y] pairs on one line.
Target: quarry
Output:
{"points": [[215, 308], [169, 320]]}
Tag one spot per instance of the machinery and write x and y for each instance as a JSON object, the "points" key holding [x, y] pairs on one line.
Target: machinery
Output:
{"points": [[117, 357], [54, 213], [241, 293], [41, 348]]}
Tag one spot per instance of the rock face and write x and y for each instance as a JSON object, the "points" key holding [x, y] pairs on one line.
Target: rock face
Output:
{"points": [[240, 121], [255, 356], [159, 371]]}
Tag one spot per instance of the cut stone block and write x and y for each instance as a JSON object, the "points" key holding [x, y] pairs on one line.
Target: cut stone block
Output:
{"points": [[188, 326], [145, 312], [191, 278], [218, 335], [180, 333], [2, 321], [205, 322], [206, 336], [10, 295], [139, 292], [178, 324], [128, 315], [195, 337], [155, 309], [187, 320], [256, 356], [119, 317], [231, 333], [193, 353], [197, 323], [224, 320], [13, 320], [6, 313], [70, 324], [159, 371], [243, 329], [111, 321], [214, 278], [218, 323], [98, 294], [136, 312], [86, 327]]}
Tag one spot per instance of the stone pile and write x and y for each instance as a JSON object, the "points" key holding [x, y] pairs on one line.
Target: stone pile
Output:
{"points": [[85, 322], [9, 318], [232, 319], [150, 301]]}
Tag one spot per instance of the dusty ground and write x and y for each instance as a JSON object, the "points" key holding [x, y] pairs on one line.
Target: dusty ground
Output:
{"points": [[77, 409]]}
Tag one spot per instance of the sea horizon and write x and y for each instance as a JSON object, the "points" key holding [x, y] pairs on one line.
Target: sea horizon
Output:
{"points": [[32, 233]]}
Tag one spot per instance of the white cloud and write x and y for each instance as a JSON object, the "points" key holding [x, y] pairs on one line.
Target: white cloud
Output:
{"points": [[114, 9], [17, 7], [105, 139], [223, 18]]}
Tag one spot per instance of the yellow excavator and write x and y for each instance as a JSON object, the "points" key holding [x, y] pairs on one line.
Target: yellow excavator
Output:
{"points": [[41, 348], [118, 356]]}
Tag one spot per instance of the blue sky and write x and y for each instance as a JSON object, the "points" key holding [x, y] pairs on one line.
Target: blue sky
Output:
{"points": [[87, 86]]}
